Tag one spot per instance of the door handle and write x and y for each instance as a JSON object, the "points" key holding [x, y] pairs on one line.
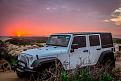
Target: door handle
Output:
{"points": [[98, 49], [85, 51]]}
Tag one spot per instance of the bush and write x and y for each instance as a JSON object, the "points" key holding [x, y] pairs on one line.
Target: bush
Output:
{"points": [[116, 40], [105, 77], [11, 59], [4, 54], [23, 41], [19, 41], [84, 75], [63, 76]]}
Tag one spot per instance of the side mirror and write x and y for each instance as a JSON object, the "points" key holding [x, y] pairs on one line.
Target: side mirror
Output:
{"points": [[74, 46]]}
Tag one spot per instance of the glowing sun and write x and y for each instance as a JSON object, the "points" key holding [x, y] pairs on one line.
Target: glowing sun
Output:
{"points": [[19, 34]]}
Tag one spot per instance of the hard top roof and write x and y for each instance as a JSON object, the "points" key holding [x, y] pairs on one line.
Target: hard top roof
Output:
{"points": [[85, 33]]}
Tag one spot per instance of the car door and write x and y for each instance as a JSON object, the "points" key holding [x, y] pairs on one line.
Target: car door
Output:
{"points": [[94, 48], [79, 55]]}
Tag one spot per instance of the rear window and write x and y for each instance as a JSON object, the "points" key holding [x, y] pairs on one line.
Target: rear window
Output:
{"points": [[106, 40]]}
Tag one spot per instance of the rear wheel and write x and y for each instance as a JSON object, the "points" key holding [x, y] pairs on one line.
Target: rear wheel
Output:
{"points": [[101, 67], [108, 65]]}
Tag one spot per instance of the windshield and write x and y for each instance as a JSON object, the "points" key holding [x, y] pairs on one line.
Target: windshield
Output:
{"points": [[58, 40]]}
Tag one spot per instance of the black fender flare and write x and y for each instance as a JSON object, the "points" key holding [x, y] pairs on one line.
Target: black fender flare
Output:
{"points": [[106, 54], [36, 63]]}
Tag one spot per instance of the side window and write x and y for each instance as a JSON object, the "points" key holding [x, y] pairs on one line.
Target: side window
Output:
{"points": [[94, 40], [79, 41]]}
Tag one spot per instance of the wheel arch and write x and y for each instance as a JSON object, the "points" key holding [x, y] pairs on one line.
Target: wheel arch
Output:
{"points": [[106, 54], [38, 62]]}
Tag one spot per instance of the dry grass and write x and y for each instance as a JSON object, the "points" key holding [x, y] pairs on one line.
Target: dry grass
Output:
{"points": [[84, 74]]}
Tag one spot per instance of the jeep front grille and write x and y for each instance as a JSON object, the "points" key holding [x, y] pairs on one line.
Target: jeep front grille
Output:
{"points": [[23, 59]]}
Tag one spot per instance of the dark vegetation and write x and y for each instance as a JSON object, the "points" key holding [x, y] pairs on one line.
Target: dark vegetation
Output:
{"points": [[117, 40], [27, 40], [84, 75], [18, 41], [4, 53]]}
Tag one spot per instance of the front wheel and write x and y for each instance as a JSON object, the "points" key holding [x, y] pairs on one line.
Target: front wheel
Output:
{"points": [[20, 74], [50, 72]]}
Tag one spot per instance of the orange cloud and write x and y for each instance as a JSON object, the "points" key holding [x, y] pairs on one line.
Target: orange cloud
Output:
{"points": [[116, 17], [116, 20]]}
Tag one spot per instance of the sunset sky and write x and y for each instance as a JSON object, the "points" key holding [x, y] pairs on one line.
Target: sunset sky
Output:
{"points": [[44, 17]]}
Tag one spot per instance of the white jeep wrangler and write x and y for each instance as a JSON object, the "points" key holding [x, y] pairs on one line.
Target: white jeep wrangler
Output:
{"points": [[70, 49]]}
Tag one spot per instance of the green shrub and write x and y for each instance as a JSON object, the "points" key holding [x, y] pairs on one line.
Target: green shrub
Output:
{"points": [[63, 76], [116, 40], [4, 55], [85, 76], [105, 77], [11, 59]]}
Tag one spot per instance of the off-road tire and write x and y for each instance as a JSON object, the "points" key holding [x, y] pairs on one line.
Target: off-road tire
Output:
{"points": [[50, 73], [105, 66], [108, 64], [20, 74]]}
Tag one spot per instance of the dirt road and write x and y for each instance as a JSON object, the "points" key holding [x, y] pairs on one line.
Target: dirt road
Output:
{"points": [[9, 76]]}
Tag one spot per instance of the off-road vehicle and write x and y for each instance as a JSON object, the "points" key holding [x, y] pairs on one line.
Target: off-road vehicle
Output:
{"points": [[70, 50]]}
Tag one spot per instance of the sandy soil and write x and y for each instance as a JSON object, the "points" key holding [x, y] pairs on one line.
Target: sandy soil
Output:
{"points": [[9, 76]]}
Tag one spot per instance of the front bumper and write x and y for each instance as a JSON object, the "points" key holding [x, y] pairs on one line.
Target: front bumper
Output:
{"points": [[22, 68]]}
